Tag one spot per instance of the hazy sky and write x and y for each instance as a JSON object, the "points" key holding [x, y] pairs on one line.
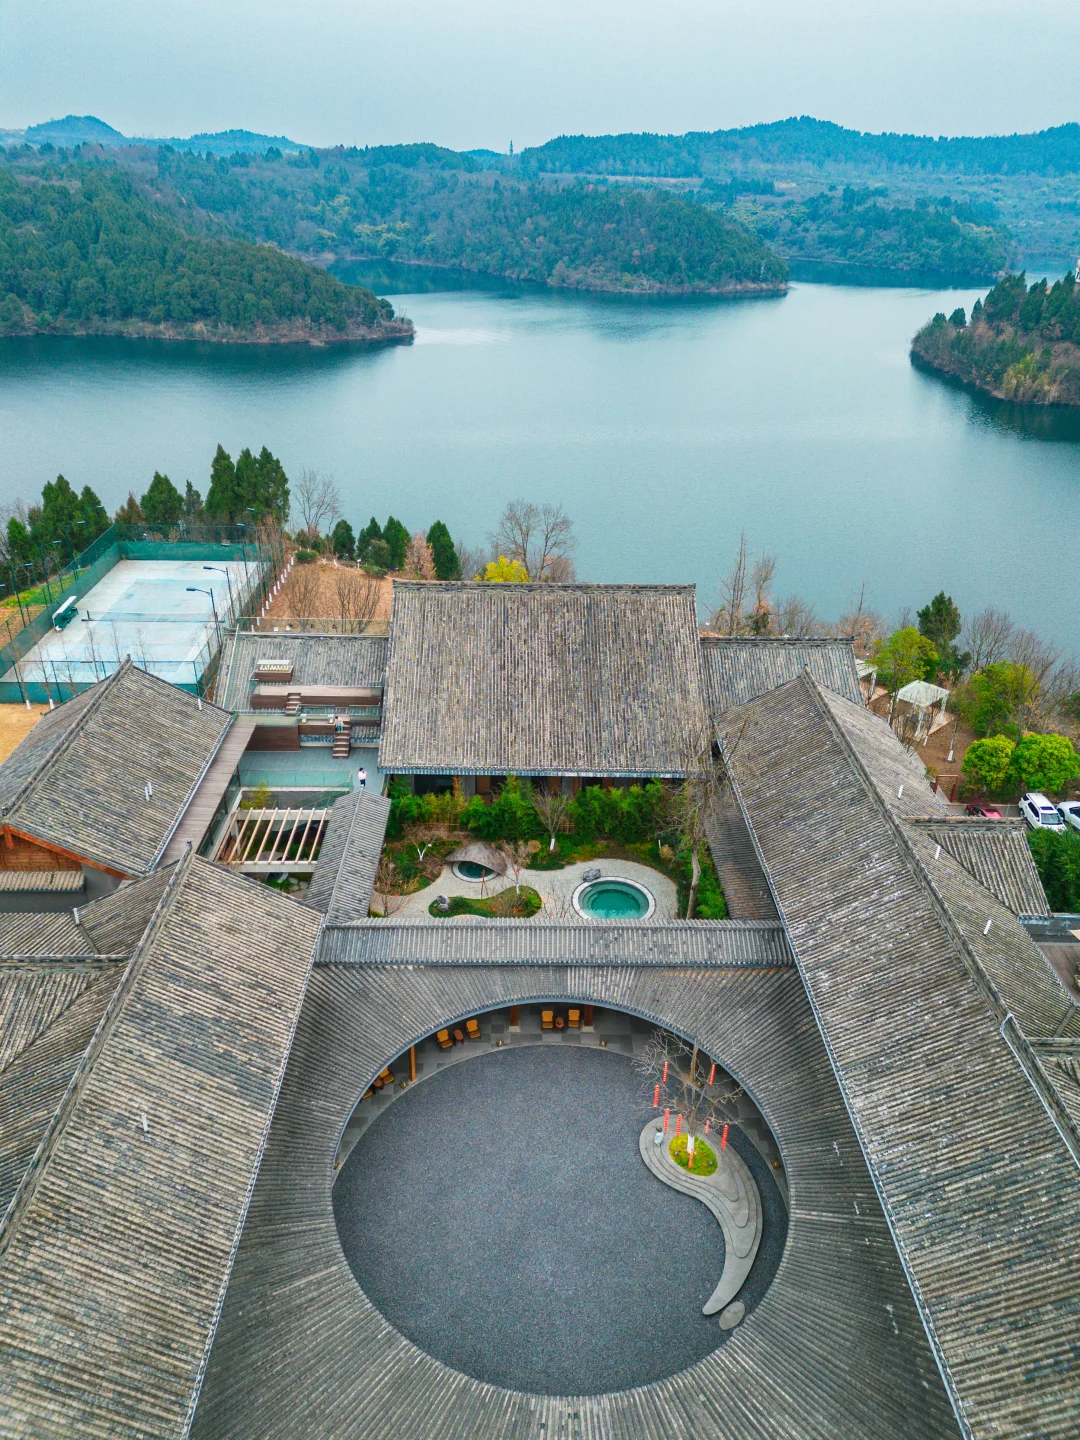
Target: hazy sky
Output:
{"points": [[481, 72]]}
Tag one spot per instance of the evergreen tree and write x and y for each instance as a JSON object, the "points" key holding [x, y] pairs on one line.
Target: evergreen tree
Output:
{"points": [[247, 489], [129, 513], [162, 504], [193, 506], [20, 546], [371, 531], [397, 542], [221, 498], [94, 513], [59, 513], [271, 488], [343, 540], [940, 622], [447, 564]]}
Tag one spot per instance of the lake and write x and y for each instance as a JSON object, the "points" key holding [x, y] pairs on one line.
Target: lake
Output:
{"points": [[665, 428]]}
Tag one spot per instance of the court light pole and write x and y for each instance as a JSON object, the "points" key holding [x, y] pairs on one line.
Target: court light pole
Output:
{"points": [[228, 579], [198, 590]]}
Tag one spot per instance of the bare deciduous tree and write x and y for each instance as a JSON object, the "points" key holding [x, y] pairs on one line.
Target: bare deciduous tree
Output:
{"points": [[316, 500], [303, 590], [987, 636], [386, 883], [553, 809], [1040, 657], [690, 805], [517, 854], [762, 575], [865, 626], [795, 618], [685, 1081], [358, 595], [727, 619], [472, 559], [540, 537]]}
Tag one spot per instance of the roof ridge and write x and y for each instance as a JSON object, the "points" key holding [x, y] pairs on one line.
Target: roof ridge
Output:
{"points": [[778, 639], [22, 1197], [99, 691], [547, 587]]}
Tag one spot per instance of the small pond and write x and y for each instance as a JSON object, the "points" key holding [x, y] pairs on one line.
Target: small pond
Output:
{"points": [[613, 898], [470, 870]]}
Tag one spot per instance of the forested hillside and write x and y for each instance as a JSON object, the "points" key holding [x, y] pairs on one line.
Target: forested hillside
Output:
{"points": [[85, 251], [860, 227], [1020, 344], [424, 204]]}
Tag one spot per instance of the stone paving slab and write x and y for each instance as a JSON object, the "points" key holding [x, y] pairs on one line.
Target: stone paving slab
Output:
{"points": [[555, 888]]}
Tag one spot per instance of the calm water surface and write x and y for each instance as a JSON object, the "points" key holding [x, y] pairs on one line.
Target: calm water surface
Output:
{"points": [[664, 429]]}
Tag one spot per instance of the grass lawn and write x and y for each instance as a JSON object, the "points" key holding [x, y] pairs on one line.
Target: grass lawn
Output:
{"points": [[704, 1156], [509, 904]]}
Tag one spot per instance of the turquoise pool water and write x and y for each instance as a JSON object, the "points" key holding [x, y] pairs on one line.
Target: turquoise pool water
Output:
{"points": [[614, 900]]}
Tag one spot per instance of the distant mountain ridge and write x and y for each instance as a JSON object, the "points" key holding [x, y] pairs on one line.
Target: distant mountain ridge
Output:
{"points": [[88, 129]]}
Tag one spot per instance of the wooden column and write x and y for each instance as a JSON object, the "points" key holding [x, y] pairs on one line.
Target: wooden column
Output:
{"points": [[412, 1062], [515, 1017]]}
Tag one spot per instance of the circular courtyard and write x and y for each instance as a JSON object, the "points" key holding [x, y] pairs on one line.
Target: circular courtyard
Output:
{"points": [[500, 1216]]}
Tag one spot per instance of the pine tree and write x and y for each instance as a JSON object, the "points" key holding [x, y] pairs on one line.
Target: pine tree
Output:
{"points": [[371, 531], [247, 489], [271, 488], [20, 546], [193, 506], [221, 498], [447, 564], [343, 540], [94, 513], [60, 512], [162, 504], [397, 542]]}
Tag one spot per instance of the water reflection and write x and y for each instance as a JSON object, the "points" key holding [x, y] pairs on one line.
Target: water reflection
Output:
{"points": [[1056, 423]]}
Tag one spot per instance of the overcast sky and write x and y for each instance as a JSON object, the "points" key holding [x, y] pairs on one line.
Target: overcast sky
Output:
{"points": [[470, 73]]}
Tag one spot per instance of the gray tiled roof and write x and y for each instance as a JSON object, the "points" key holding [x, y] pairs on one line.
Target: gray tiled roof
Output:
{"points": [[835, 1347], [43, 932], [739, 668], [997, 854], [108, 1310], [81, 785], [358, 660], [974, 1168], [345, 870], [734, 944], [541, 679]]}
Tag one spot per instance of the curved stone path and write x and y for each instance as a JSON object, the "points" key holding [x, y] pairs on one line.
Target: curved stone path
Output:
{"points": [[732, 1197]]}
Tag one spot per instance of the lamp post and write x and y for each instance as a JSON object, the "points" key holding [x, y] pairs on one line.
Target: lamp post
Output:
{"points": [[198, 590], [221, 571]]}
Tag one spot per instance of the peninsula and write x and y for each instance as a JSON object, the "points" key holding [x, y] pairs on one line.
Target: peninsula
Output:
{"points": [[86, 252], [1020, 344]]}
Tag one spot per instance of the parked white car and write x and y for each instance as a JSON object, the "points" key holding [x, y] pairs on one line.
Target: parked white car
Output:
{"points": [[1069, 810], [1039, 813]]}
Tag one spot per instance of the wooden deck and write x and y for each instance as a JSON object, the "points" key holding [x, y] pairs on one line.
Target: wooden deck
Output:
{"points": [[271, 841], [197, 818]]}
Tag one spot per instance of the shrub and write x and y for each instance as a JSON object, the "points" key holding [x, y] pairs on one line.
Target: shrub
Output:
{"points": [[993, 700], [1057, 858], [1044, 762], [986, 763], [510, 816], [305, 557], [625, 816]]}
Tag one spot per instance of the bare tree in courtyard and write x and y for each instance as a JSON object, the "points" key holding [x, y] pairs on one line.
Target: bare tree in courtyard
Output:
{"points": [[386, 879], [316, 500], [303, 590], [553, 809], [987, 636], [690, 804], [685, 1081]]}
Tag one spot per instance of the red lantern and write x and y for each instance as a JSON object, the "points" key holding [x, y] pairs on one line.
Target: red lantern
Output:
{"points": [[723, 1139], [712, 1073], [667, 1117], [706, 1127], [656, 1098], [678, 1126], [665, 1073]]}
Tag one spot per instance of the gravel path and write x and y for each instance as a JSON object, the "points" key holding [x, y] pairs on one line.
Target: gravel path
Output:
{"points": [[500, 1216]]}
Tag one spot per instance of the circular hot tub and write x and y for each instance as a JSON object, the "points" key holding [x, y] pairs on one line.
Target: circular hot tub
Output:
{"points": [[613, 898]]}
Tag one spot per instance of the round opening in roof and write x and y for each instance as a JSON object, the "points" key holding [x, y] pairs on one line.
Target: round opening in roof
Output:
{"points": [[613, 898], [470, 870], [500, 1215]]}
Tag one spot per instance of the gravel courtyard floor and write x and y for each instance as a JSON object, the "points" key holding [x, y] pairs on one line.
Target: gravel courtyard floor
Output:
{"points": [[500, 1216]]}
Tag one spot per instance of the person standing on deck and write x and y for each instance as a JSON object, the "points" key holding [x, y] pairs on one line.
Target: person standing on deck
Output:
{"points": [[362, 777]]}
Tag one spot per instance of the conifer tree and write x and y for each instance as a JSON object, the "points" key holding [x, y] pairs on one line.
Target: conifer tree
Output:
{"points": [[397, 542], [130, 512], [371, 531], [447, 564], [193, 506], [59, 512], [162, 504], [271, 488], [343, 540], [221, 498], [94, 513], [247, 489]]}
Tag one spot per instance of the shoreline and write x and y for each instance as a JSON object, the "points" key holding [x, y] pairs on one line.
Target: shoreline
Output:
{"points": [[397, 331], [970, 383]]}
